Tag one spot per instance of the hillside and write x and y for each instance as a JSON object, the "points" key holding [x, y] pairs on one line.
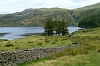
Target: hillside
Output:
{"points": [[80, 13], [91, 21], [92, 6], [36, 17]]}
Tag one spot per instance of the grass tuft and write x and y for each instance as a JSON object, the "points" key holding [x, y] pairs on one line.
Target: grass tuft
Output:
{"points": [[9, 45], [39, 43], [67, 52]]}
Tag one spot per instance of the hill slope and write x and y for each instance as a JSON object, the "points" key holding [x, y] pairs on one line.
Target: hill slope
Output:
{"points": [[80, 13], [36, 17]]}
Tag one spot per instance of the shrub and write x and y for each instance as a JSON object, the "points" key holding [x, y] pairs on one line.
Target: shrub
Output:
{"points": [[47, 41], [15, 41], [39, 43], [40, 39], [9, 45], [30, 42], [53, 42], [6, 40], [17, 48], [96, 37], [74, 43], [56, 40], [91, 47]]}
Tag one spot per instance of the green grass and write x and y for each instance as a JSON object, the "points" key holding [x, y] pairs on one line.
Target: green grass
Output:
{"points": [[88, 54], [35, 42], [88, 32], [35, 62], [91, 59]]}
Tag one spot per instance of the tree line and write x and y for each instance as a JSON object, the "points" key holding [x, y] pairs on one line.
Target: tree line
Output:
{"points": [[91, 21], [55, 27]]}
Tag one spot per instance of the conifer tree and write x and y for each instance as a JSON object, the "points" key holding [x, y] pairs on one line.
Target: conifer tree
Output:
{"points": [[64, 29], [49, 27], [57, 26]]}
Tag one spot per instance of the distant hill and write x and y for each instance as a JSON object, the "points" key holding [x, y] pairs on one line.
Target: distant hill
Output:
{"points": [[91, 21], [92, 6], [36, 17], [80, 13]]}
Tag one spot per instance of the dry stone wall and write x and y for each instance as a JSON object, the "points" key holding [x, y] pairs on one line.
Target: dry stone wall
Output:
{"points": [[13, 58]]}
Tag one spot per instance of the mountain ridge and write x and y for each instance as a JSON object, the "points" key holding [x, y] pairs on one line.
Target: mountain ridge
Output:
{"points": [[36, 17]]}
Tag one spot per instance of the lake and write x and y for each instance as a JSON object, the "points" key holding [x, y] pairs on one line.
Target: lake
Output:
{"points": [[12, 33]]}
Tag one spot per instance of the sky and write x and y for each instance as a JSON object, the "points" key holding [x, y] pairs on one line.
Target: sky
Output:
{"points": [[12, 6]]}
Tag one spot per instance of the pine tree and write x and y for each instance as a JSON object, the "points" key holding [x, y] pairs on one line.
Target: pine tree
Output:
{"points": [[64, 29], [49, 27], [57, 26]]}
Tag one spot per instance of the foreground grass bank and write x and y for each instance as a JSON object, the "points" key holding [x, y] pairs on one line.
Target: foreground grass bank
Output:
{"points": [[91, 59], [35, 42], [88, 54]]}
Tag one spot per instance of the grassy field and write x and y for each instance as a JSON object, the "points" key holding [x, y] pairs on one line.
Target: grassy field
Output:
{"points": [[88, 54], [35, 42], [77, 60], [88, 32]]}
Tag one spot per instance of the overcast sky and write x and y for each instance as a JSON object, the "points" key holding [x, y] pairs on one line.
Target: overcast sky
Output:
{"points": [[11, 6]]}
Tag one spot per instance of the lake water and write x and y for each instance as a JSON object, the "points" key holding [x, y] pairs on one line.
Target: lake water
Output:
{"points": [[19, 32]]}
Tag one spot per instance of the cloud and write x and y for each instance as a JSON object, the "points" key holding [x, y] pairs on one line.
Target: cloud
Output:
{"points": [[11, 6]]}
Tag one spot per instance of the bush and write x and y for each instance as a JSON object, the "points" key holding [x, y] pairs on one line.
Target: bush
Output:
{"points": [[9, 45], [47, 41], [17, 48], [30, 42], [40, 39], [74, 43], [91, 47], [15, 41], [56, 40], [53, 42], [39, 43], [6, 40]]}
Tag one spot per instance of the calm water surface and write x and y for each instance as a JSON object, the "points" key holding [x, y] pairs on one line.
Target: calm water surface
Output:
{"points": [[18, 32]]}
